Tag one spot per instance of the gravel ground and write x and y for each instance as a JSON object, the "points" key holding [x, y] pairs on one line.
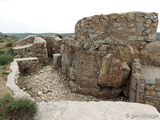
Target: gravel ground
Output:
{"points": [[47, 86]]}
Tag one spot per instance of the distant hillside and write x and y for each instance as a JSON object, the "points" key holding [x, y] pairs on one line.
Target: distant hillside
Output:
{"points": [[23, 35], [2, 34], [158, 36]]}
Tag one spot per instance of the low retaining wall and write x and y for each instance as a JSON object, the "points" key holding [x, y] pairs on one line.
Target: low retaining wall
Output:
{"points": [[28, 65], [11, 82], [37, 49], [28, 40], [145, 84]]}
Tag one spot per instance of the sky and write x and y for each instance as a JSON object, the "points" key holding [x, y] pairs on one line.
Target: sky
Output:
{"points": [[60, 16]]}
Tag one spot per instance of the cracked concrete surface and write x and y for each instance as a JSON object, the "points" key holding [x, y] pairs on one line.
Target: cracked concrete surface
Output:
{"points": [[102, 110]]}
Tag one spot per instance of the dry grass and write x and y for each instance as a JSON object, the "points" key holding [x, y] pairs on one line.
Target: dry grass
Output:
{"points": [[3, 77], [3, 68]]}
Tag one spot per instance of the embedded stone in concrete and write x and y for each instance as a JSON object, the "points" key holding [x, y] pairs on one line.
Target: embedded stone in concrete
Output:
{"points": [[91, 31], [139, 24], [150, 81], [132, 37], [148, 31], [124, 24], [92, 35]]}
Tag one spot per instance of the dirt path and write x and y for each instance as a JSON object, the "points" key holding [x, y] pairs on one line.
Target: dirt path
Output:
{"points": [[47, 86]]}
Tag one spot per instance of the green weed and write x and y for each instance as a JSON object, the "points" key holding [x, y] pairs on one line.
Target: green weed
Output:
{"points": [[5, 59], [9, 44], [17, 109], [5, 73], [10, 51], [2, 52], [59, 35], [1, 40]]}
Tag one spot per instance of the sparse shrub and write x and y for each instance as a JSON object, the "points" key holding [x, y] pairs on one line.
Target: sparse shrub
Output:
{"points": [[2, 52], [5, 59], [6, 36], [1, 118], [59, 35], [5, 73], [1, 40], [10, 51], [17, 109], [9, 44]]}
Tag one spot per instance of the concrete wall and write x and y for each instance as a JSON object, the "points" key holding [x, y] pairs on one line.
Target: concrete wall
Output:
{"points": [[28, 65], [145, 84], [126, 27], [11, 82], [100, 61], [26, 41], [36, 48], [53, 44], [98, 69]]}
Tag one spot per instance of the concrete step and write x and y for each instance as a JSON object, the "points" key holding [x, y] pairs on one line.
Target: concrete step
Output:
{"points": [[103, 110]]}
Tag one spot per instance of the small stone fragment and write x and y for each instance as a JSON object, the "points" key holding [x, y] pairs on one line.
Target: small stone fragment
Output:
{"points": [[39, 93]]}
